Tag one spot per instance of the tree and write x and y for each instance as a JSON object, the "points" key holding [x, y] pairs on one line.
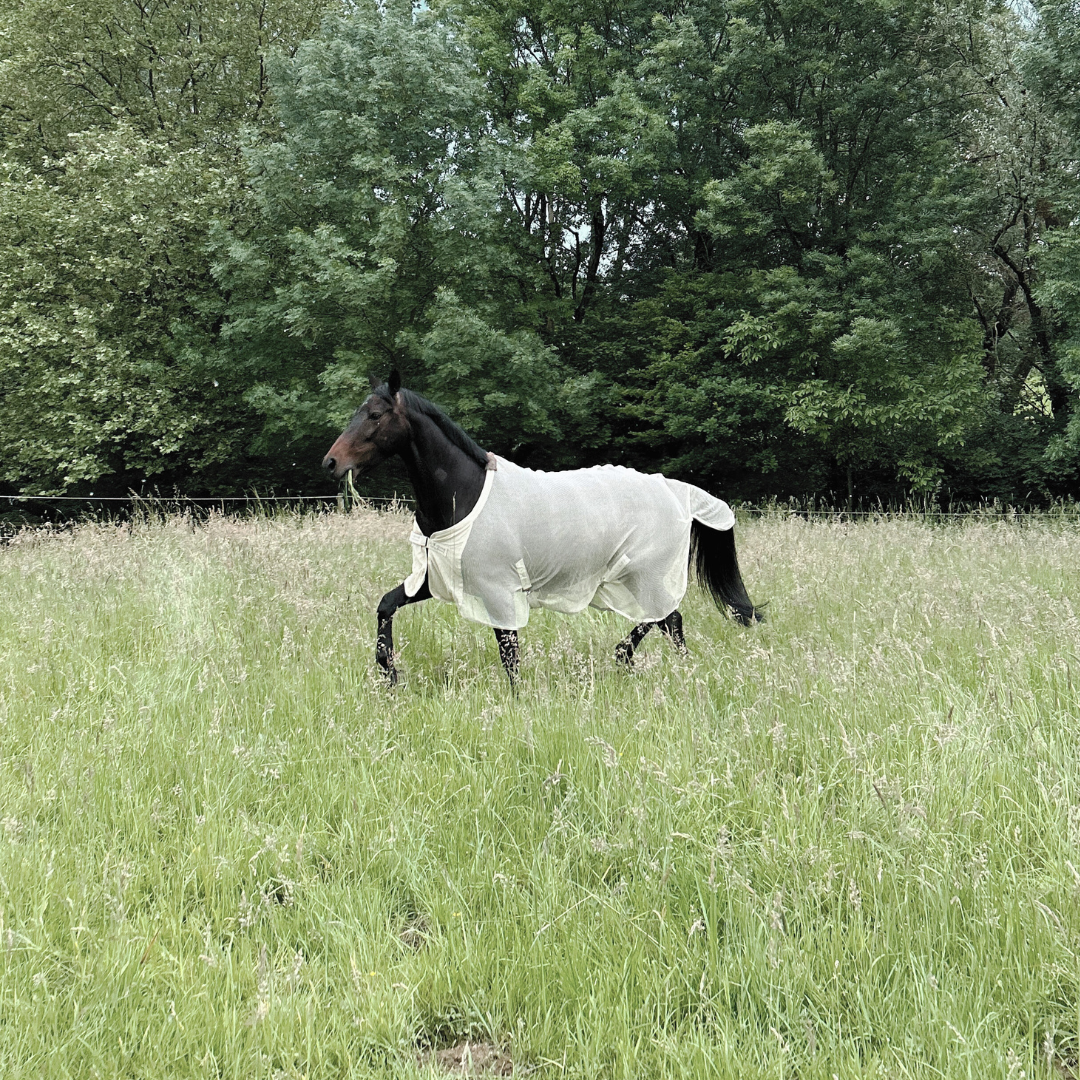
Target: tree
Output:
{"points": [[1051, 64], [782, 234], [119, 144], [777, 247], [189, 70], [103, 297], [378, 240]]}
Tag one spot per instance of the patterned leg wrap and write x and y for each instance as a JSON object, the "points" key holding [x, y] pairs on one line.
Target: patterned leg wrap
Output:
{"points": [[624, 651], [508, 652], [672, 627]]}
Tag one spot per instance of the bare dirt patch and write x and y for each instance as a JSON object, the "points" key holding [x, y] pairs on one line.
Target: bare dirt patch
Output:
{"points": [[470, 1059], [415, 934], [1067, 1068]]}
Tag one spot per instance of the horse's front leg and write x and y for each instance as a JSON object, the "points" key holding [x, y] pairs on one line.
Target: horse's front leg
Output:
{"points": [[508, 652], [384, 640], [624, 651]]}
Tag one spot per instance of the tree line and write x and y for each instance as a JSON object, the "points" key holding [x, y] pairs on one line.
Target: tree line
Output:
{"points": [[778, 247]]}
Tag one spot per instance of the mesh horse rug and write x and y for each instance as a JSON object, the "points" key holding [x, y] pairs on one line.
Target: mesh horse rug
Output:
{"points": [[607, 537]]}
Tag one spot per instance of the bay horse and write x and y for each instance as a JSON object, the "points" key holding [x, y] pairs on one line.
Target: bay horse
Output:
{"points": [[497, 539]]}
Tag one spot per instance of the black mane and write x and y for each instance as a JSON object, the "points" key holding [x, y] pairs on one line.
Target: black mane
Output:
{"points": [[414, 403]]}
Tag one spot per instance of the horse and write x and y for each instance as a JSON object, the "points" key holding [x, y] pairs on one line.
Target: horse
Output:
{"points": [[497, 539]]}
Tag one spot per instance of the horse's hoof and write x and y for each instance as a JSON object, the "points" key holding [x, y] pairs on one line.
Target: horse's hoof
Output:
{"points": [[624, 658]]}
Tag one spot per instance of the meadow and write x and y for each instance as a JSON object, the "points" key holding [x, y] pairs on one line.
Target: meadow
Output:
{"points": [[845, 843]]}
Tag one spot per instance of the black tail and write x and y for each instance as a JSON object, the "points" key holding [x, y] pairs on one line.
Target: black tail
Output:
{"points": [[712, 552]]}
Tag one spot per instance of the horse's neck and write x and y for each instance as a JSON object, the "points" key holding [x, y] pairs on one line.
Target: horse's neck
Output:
{"points": [[446, 481]]}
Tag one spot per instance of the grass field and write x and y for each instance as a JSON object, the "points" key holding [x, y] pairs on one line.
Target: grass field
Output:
{"points": [[845, 843]]}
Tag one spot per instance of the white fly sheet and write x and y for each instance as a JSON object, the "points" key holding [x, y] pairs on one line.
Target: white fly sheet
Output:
{"points": [[608, 537]]}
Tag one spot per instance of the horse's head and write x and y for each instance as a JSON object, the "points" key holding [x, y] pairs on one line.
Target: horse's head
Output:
{"points": [[378, 429]]}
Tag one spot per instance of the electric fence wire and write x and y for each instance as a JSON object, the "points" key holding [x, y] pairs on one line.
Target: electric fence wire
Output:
{"points": [[998, 512], [201, 500]]}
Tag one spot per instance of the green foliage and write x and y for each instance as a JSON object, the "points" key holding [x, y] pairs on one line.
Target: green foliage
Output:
{"points": [[815, 284], [189, 71], [377, 238], [1051, 59], [500, 383], [119, 136], [1016, 197], [1061, 292], [784, 247], [105, 311], [778, 187], [1052, 65], [895, 407]]}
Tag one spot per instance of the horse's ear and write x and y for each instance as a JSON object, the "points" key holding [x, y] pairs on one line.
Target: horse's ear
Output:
{"points": [[375, 383], [393, 384]]}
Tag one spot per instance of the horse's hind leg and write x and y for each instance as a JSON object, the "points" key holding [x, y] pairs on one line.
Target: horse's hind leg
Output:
{"points": [[508, 652], [384, 640], [672, 629], [624, 651]]}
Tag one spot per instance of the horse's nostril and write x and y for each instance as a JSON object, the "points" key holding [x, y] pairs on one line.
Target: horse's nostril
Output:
{"points": [[329, 464]]}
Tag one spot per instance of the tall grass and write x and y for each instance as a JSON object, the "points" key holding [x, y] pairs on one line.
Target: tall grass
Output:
{"points": [[845, 843]]}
